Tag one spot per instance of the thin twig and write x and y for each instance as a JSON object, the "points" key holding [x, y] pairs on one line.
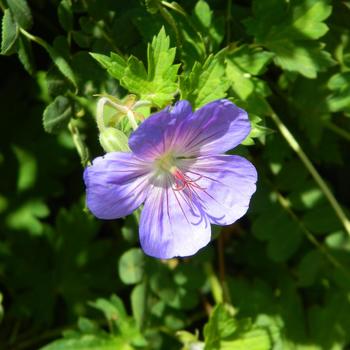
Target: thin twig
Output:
{"points": [[293, 143], [339, 131], [286, 206]]}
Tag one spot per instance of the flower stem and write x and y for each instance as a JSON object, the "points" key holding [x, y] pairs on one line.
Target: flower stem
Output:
{"points": [[99, 113], [293, 143], [339, 131], [215, 286], [286, 206], [79, 144]]}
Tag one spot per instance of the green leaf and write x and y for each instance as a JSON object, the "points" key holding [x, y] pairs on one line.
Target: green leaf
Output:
{"points": [[130, 228], [27, 217], [328, 323], [9, 33], [252, 60], [89, 342], [152, 6], [114, 64], [138, 303], [113, 309], [241, 66], [120, 322], [258, 130], [131, 266], [157, 84], [57, 115], [65, 14], [223, 332], [21, 12], [87, 326], [339, 84], [307, 58], [61, 63], [179, 292], [309, 98], [56, 83], [203, 13], [256, 339], [322, 219], [287, 29], [309, 268], [220, 325], [204, 83], [27, 172], [282, 233], [25, 54], [188, 339]]}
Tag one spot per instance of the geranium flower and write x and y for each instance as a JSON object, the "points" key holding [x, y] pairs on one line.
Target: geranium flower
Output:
{"points": [[177, 168]]}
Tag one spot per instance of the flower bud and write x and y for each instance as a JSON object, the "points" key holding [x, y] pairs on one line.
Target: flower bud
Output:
{"points": [[114, 140]]}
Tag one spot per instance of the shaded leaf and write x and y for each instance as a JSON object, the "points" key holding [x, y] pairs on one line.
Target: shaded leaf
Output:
{"points": [[89, 341], [288, 30], [65, 14], [131, 265], [9, 33], [21, 12], [57, 114], [25, 54]]}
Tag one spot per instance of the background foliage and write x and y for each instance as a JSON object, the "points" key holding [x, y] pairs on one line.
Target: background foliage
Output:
{"points": [[277, 279]]}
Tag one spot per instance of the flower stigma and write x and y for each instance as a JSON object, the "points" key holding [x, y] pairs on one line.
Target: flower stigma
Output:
{"points": [[166, 165]]}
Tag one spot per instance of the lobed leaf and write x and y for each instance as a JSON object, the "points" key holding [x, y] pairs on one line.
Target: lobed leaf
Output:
{"points": [[288, 31], [157, 84], [205, 83]]}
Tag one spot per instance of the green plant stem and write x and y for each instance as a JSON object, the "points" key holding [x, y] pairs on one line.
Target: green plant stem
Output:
{"points": [[339, 131], [171, 21], [215, 286], [34, 38], [293, 143], [177, 8], [286, 206], [79, 144]]}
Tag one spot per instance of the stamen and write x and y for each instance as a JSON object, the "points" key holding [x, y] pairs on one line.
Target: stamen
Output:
{"points": [[184, 182]]}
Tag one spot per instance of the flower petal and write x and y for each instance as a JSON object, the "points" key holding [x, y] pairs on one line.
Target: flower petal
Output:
{"points": [[158, 132], [215, 128], [227, 184], [172, 226], [116, 185]]}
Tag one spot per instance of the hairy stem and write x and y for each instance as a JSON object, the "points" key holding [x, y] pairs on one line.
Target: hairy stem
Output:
{"points": [[286, 206], [293, 143], [79, 144]]}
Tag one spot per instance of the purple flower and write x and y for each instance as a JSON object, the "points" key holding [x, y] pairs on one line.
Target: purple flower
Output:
{"points": [[178, 170]]}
